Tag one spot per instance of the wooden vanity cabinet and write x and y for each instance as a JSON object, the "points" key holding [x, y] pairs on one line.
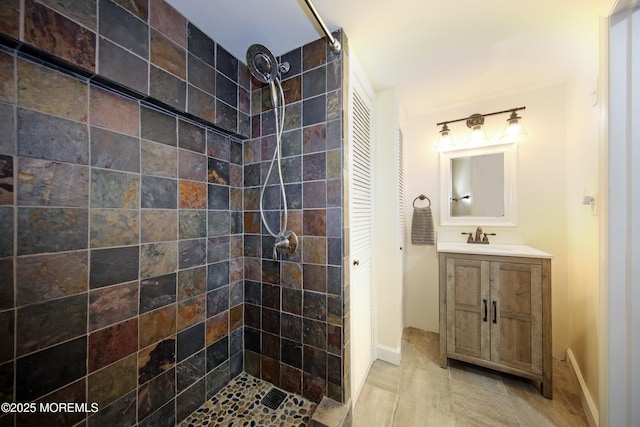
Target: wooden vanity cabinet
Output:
{"points": [[495, 311]]}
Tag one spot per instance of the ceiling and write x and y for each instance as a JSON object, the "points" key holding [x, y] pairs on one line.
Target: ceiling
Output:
{"points": [[436, 53]]}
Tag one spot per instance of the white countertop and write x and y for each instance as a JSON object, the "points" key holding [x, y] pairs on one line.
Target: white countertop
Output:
{"points": [[499, 249]]}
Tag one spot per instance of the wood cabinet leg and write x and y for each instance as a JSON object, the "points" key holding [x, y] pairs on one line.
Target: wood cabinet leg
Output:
{"points": [[547, 388]]}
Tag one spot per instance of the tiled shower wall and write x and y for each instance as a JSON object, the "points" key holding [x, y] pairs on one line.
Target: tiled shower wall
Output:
{"points": [[294, 317], [123, 241]]}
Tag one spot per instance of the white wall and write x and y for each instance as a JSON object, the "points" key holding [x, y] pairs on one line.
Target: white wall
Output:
{"points": [[541, 194]]}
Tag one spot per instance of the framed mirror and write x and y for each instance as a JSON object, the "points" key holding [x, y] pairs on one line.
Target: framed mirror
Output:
{"points": [[478, 186]]}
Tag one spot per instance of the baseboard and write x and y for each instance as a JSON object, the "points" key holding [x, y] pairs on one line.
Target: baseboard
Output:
{"points": [[388, 354], [588, 404]]}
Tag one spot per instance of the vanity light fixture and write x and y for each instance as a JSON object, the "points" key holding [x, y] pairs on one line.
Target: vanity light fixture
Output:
{"points": [[512, 132]]}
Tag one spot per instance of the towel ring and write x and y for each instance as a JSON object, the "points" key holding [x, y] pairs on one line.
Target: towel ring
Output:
{"points": [[421, 197]]}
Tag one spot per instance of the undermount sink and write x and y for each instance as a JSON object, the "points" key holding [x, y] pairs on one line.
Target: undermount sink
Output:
{"points": [[499, 249]]}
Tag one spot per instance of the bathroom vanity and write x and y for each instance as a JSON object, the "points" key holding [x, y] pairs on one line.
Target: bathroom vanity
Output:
{"points": [[495, 309]]}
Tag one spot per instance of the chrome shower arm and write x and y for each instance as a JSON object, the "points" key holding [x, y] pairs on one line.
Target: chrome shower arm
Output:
{"points": [[334, 44]]}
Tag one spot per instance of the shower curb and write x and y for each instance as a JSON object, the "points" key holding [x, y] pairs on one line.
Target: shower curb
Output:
{"points": [[330, 413]]}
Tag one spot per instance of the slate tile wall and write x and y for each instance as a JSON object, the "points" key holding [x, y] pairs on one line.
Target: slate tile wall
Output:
{"points": [[294, 316], [121, 278]]}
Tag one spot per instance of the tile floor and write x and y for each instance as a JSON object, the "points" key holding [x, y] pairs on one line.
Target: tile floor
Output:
{"points": [[238, 404], [420, 393]]}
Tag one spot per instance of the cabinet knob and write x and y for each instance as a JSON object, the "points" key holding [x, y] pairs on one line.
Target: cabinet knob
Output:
{"points": [[356, 262]]}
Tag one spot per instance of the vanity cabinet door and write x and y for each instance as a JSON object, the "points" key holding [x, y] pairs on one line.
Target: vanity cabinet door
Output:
{"points": [[468, 327], [516, 315]]}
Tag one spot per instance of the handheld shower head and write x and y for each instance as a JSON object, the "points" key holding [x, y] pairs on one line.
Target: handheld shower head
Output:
{"points": [[262, 63]]}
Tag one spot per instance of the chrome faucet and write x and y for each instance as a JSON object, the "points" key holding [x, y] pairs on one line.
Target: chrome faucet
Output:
{"points": [[480, 237]]}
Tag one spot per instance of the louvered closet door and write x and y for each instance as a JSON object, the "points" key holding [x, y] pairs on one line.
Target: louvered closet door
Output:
{"points": [[360, 204]]}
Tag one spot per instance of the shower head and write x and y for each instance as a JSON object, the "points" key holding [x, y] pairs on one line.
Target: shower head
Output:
{"points": [[262, 63]]}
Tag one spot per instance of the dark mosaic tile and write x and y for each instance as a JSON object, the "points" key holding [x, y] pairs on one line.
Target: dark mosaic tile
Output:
{"points": [[167, 55], [292, 169], [314, 333], [192, 224], [226, 63], [226, 117], [314, 166], [157, 259], [256, 123], [202, 75], [139, 8], [156, 359], [192, 195], [293, 118], [334, 193], [244, 123], [314, 361], [157, 292], [110, 189], [122, 411], [217, 301], [218, 197], [334, 105], [158, 126], [6, 180], [270, 321], [252, 151], [334, 251], [226, 90], [46, 137], [6, 284], [334, 134], [190, 341], [334, 339], [158, 159], [236, 341], [6, 385], [112, 150], [7, 124], [314, 195], [191, 136], [271, 296], [200, 45], [252, 363], [218, 250], [44, 371], [314, 110], [251, 179], [123, 28], [217, 327], [315, 278], [237, 222], [314, 54], [315, 138], [218, 171], [7, 337], [113, 382], [46, 183], [74, 392], [217, 379], [112, 304], [111, 266], [314, 305], [314, 222], [270, 272], [191, 311], [48, 323], [334, 164], [158, 225], [217, 353], [314, 82], [236, 364], [252, 244], [155, 394], [10, 19], [252, 292], [191, 283], [291, 379], [111, 344], [157, 325], [292, 301], [84, 12], [122, 66], [191, 400], [55, 34], [192, 253], [190, 370], [291, 327], [114, 112], [164, 18], [159, 193], [244, 102], [244, 76], [292, 353], [192, 166], [114, 227], [252, 340], [294, 58], [219, 223], [51, 230], [334, 222], [201, 104], [270, 370], [334, 75], [292, 89], [334, 280], [167, 88], [44, 277], [217, 275]]}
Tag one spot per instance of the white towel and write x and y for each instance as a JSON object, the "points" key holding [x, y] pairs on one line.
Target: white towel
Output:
{"points": [[422, 227]]}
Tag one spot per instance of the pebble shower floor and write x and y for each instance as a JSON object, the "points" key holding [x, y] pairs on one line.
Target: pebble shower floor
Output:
{"points": [[239, 404]]}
